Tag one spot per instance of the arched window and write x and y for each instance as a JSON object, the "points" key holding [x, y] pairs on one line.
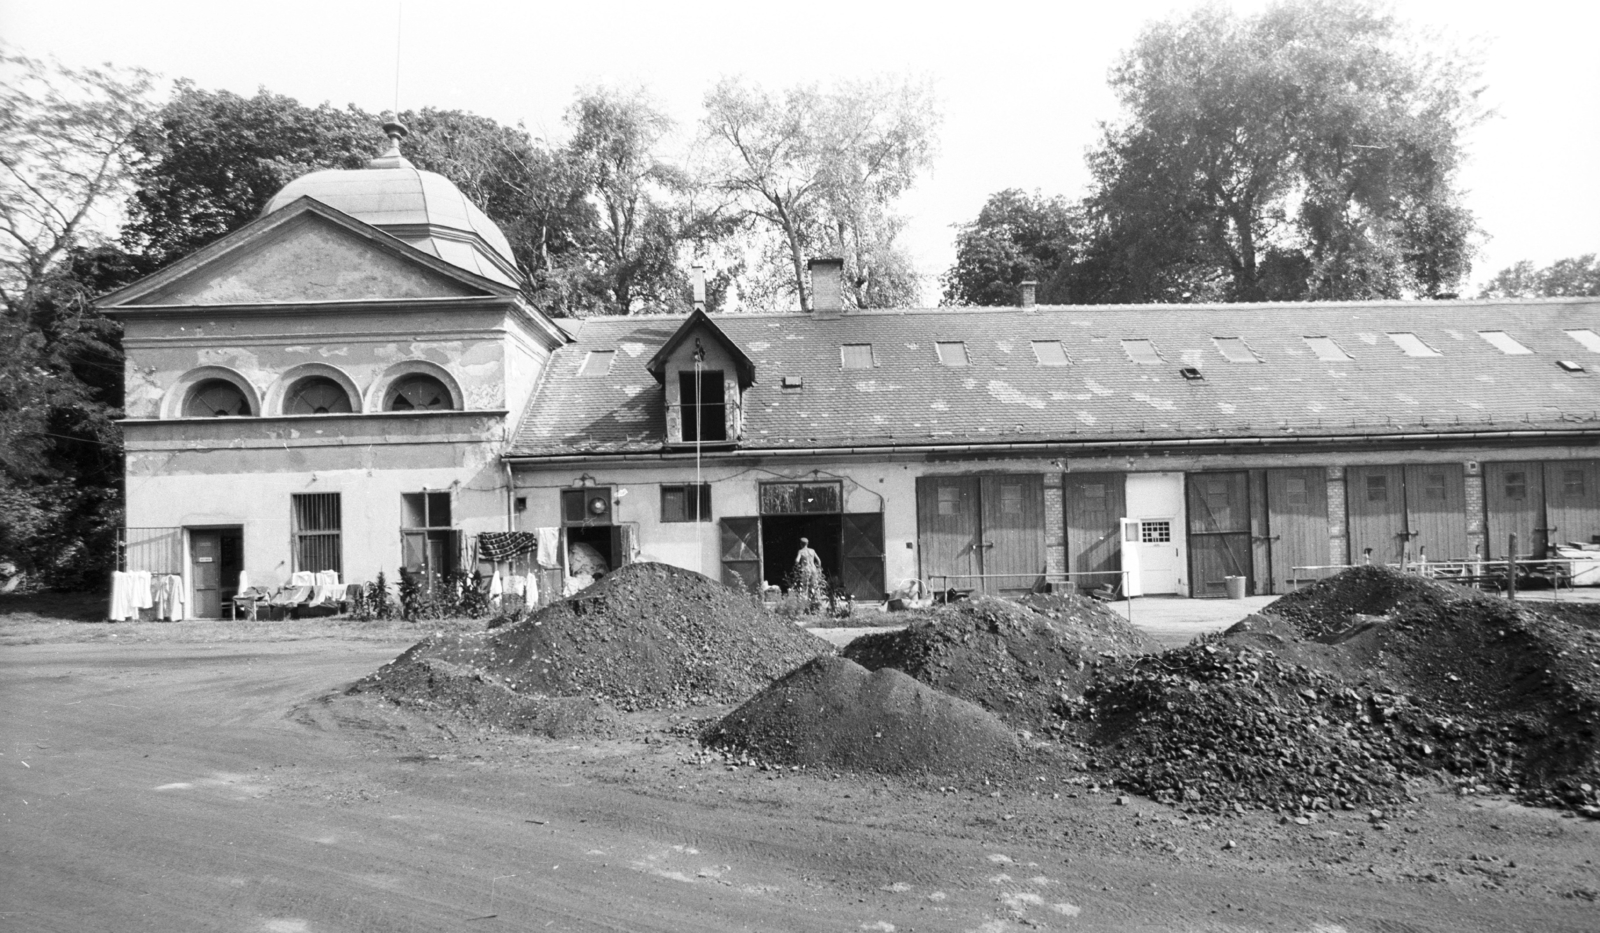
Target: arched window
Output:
{"points": [[316, 395], [216, 398], [417, 392]]}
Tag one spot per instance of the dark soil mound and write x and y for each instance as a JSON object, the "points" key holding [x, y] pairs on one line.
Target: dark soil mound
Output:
{"points": [[1017, 660], [833, 712], [648, 636], [438, 687], [1363, 680]]}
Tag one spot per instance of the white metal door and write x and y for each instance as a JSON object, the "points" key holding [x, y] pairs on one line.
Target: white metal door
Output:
{"points": [[1156, 500]]}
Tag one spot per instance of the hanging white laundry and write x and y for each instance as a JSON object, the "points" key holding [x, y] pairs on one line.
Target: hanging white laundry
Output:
{"points": [[178, 598], [142, 598], [496, 590], [121, 596], [303, 578], [549, 543], [244, 581]]}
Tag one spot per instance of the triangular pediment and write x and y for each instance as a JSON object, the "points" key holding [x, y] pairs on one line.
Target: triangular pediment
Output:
{"points": [[700, 323], [303, 253]]}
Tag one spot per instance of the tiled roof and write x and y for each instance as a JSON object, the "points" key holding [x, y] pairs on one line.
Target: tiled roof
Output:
{"points": [[1004, 395]]}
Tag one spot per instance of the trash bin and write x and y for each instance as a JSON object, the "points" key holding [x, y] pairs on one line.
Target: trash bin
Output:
{"points": [[1235, 587]]}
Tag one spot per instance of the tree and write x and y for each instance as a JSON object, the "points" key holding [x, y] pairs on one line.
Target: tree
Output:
{"points": [[66, 136], [1017, 237], [1576, 277], [213, 159], [640, 222], [820, 171], [1307, 152]]}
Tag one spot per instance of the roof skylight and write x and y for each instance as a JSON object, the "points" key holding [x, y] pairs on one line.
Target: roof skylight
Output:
{"points": [[856, 356], [597, 363], [1589, 339], [1326, 349], [952, 352], [1234, 350], [1050, 353], [1412, 345], [1504, 342], [1142, 351]]}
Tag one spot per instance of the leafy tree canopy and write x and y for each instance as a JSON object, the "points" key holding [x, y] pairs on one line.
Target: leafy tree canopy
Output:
{"points": [[1017, 237], [818, 172], [1307, 152], [1576, 277]]}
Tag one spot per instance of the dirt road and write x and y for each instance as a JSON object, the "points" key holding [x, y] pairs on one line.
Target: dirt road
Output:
{"points": [[171, 786]]}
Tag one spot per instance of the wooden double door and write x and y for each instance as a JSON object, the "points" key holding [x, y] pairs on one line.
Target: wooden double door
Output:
{"points": [[1542, 503], [1406, 513], [761, 549], [983, 533]]}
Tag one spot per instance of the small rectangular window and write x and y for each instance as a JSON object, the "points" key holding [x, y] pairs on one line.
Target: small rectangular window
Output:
{"points": [[597, 363], [1234, 350], [949, 500], [426, 509], [1155, 532], [680, 503], [1517, 485], [1142, 351], [1588, 338], [952, 352], [1412, 345], [1434, 488], [1377, 489], [1050, 353], [318, 536], [1572, 482], [1011, 499], [856, 356], [1326, 349], [1295, 490], [1504, 342]]}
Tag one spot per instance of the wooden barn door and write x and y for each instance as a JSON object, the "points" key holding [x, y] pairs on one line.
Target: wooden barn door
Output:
{"points": [[947, 531], [1219, 531], [1297, 526], [1572, 500], [741, 553], [1012, 528], [1513, 498], [1094, 503], [1375, 499], [861, 545], [1436, 511]]}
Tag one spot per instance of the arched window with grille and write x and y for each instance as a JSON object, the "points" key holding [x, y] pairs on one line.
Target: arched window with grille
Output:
{"points": [[316, 395], [418, 392], [216, 398]]}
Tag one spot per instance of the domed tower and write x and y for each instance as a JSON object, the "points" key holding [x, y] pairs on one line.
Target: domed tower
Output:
{"points": [[328, 388], [422, 209]]}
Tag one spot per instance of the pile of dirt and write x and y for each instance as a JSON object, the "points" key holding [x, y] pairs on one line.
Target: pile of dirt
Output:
{"points": [[1362, 681], [832, 712], [1020, 661], [441, 689], [648, 636]]}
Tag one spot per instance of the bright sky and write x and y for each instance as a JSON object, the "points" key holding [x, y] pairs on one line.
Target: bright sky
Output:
{"points": [[1021, 85]]}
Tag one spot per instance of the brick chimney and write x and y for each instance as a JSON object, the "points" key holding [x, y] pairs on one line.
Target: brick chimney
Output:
{"points": [[697, 276], [1030, 290], [827, 287]]}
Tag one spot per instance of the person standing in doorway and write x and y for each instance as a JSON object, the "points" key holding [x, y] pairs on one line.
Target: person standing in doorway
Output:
{"points": [[808, 575]]}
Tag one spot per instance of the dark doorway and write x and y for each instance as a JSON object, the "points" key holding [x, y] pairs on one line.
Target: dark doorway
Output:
{"points": [[780, 541], [216, 556]]}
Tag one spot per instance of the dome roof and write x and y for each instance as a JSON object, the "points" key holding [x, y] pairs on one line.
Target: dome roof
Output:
{"points": [[422, 208]]}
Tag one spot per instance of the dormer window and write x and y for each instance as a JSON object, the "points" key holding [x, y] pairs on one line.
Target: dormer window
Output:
{"points": [[703, 375], [705, 409]]}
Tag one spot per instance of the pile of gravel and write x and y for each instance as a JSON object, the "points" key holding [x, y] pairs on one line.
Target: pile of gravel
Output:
{"points": [[832, 712], [1350, 687], [647, 636], [1020, 661]]}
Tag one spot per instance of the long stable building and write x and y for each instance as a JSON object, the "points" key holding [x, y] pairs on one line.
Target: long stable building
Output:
{"points": [[355, 382]]}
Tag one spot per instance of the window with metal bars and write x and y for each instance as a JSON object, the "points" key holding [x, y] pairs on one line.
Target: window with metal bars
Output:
{"points": [[680, 504], [318, 531]]}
